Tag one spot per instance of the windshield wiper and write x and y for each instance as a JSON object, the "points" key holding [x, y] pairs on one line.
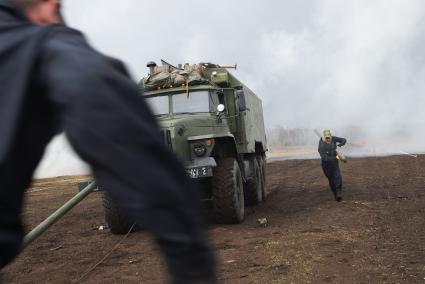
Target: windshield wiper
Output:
{"points": [[192, 113]]}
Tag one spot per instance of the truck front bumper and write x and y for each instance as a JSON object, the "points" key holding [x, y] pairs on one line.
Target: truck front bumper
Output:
{"points": [[201, 167]]}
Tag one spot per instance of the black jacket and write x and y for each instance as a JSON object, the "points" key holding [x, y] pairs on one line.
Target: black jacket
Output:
{"points": [[328, 152], [51, 80]]}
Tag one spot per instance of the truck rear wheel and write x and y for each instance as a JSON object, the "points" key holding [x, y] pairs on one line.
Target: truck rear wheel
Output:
{"points": [[117, 222], [254, 186], [227, 192]]}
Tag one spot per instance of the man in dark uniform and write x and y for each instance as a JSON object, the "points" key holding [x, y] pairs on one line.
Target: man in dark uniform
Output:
{"points": [[51, 80], [330, 161]]}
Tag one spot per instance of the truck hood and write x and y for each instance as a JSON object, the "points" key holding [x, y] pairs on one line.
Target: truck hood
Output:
{"points": [[187, 125]]}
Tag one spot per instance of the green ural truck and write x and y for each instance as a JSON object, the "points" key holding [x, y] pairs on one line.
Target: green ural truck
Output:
{"points": [[215, 124]]}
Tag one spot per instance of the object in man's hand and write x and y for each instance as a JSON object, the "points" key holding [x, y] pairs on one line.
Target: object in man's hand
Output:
{"points": [[340, 156]]}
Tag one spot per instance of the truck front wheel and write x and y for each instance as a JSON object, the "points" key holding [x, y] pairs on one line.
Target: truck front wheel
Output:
{"points": [[227, 192], [117, 222]]}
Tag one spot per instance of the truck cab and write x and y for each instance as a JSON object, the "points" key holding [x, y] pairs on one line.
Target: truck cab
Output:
{"points": [[214, 124]]}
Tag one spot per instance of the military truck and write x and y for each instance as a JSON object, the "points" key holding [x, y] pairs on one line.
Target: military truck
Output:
{"points": [[214, 124]]}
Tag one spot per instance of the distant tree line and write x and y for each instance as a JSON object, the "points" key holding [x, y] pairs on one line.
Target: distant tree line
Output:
{"points": [[281, 137]]}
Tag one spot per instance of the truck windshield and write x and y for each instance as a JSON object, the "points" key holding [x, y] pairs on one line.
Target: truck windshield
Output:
{"points": [[159, 105], [196, 102]]}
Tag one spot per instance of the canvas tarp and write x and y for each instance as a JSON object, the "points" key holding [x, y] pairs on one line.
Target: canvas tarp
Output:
{"points": [[190, 76]]}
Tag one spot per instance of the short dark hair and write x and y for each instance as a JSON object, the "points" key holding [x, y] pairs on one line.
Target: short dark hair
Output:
{"points": [[25, 4]]}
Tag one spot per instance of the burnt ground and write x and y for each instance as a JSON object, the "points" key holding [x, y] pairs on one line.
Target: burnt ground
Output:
{"points": [[377, 235]]}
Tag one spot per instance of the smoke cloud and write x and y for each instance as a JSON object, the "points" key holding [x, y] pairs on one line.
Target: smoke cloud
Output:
{"points": [[334, 64]]}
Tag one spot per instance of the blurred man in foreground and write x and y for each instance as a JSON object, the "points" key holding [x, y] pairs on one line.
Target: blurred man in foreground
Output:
{"points": [[52, 80], [330, 161]]}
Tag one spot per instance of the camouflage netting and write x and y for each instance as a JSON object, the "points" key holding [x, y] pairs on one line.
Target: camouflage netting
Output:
{"points": [[170, 78]]}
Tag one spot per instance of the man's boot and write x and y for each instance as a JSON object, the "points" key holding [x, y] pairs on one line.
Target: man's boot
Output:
{"points": [[338, 196]]}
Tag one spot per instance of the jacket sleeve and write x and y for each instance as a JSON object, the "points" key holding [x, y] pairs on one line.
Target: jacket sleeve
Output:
{"points": [[110, 126], [341, 141], [321, 150]]}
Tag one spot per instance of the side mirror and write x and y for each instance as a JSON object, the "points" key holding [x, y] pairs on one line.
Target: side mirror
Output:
{"points": [[221, 108], [240, 96]]}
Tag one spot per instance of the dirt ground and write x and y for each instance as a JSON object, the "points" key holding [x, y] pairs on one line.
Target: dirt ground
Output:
{"points": [[377, 235]]}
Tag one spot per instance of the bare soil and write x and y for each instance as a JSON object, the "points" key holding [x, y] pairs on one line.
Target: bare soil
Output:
{"points": [[376, 235]]}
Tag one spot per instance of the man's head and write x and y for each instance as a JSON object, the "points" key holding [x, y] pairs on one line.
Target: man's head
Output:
{"points": [[41, 12], [327, 135]]}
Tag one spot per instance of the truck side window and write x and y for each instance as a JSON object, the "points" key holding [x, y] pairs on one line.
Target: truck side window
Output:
{"points": [[240, 97]]}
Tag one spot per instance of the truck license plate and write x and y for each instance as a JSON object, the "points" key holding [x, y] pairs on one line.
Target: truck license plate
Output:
{"points": [[199, 172]]}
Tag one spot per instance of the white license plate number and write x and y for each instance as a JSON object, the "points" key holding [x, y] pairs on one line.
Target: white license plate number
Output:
{"points": [[199, 172]]}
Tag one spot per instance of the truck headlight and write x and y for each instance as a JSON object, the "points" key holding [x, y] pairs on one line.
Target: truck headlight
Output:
{"points": [[199, 150]]}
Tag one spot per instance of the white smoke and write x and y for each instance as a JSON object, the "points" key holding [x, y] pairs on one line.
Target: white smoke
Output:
{"points": [[60, 160], [361, 64]]}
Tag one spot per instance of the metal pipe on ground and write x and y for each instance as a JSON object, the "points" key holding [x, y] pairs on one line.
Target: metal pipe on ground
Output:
{"points": [[43, 226]]}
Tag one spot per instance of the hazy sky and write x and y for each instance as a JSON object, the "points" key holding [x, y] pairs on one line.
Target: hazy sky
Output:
{"points": [[358, 59], [323, 63]]}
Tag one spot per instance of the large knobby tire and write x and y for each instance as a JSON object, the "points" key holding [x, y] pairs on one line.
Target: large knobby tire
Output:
{"points": [[263, 166], [117, 222], [253, 187], [227, 192]]}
